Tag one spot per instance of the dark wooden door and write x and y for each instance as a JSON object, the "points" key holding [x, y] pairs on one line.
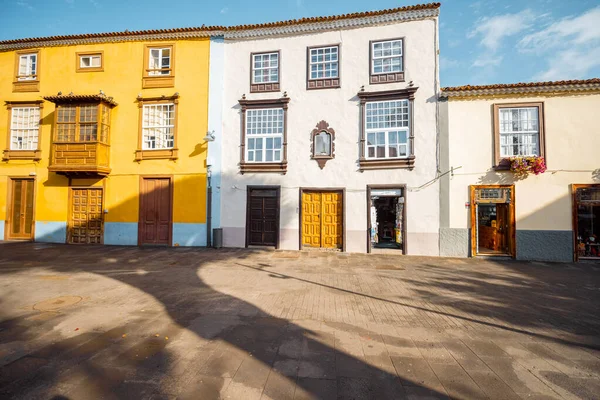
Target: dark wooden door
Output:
{"points": [[86, 223], [262, 222], [502, 228], [155, 211], [20, 218]]}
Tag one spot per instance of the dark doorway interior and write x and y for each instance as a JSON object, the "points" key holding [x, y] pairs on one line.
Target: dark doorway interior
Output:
{"points": [[386, 222], [492, 228]]}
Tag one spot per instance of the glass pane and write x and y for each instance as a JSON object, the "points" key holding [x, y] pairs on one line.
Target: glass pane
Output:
{"points": [[380, 151], [322, 144], [588, 234]]}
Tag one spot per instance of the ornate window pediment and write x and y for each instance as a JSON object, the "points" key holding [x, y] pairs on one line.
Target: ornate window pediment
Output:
{"points": [[323, 146]]}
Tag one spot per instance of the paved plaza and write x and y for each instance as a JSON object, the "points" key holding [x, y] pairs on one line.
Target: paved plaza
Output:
{"points": [[82, 322]]}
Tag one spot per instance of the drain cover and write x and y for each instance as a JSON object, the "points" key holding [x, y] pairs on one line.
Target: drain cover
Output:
{"points": [[57, 303]]}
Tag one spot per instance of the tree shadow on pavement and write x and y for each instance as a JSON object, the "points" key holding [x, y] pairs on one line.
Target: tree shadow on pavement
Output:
{"points": [[208, 344]]}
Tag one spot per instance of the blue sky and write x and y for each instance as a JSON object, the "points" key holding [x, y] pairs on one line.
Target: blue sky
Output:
{"points": [[485, 41]]}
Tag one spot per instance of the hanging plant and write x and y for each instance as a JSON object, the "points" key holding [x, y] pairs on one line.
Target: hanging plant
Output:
{"points": [[522, 166]]}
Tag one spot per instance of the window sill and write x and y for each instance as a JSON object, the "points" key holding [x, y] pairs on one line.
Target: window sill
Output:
{"points": [[35, 155], [158, 81], [90, 69], [264, 167], [26, 86], [166, 154], [387, 78], [393, 163], [331, 83], [264, 87]]}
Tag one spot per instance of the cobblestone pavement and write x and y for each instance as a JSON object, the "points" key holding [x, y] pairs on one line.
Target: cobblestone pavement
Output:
{"points": [[82, 322]]}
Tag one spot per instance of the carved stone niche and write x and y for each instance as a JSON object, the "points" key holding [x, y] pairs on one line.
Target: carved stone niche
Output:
{"points": [[322, 143]]}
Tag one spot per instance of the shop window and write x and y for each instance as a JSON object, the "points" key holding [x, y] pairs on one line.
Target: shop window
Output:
{"points": [[587, 214], [386, 218]]}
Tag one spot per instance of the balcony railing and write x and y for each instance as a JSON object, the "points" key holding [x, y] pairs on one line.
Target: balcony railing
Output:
{"points": [[84, 158]]}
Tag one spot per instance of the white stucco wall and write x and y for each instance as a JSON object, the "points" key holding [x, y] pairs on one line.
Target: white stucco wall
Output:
{"points": [[543, 202], [340, 108]]}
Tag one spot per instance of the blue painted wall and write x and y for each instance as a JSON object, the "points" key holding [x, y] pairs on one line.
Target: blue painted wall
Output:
{"points": [[189, 234], [51, 231], [121, 233]]}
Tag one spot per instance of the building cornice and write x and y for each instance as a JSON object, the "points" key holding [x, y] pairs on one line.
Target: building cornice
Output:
{"points": [[523, 89], [290, 27]]}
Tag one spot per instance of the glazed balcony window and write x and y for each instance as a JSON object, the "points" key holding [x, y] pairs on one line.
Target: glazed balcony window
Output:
{"points": [[387, 61], [264, 72], [157, 138], [518, 132], [81, 134], [387, 129], [323, 67], [24, 131], [159, 66], [264, 135], [27, 66]]}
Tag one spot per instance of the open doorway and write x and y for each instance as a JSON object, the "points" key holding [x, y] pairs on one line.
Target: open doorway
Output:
{"points": [[492, 220], [586, 220], [386, 218]]}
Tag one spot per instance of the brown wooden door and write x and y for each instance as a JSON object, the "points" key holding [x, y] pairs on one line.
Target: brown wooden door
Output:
{"points": [[86, 223], [20, 217], [263, 217], [155, 211], [502, 228]]}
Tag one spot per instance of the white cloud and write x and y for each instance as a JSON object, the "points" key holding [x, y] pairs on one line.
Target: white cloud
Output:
{"points": [[25, 4], [224, 10], [570, 45], [492, 30], [448, 63], [576, 30], [487, 60]]}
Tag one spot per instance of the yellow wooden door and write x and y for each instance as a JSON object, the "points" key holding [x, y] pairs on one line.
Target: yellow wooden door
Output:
{"points": [[87, 219], [311, 219], [331, 220], [322, 219]]}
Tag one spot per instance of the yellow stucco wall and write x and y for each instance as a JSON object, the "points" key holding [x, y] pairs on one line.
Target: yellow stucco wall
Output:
{"points": [[121, 79]]}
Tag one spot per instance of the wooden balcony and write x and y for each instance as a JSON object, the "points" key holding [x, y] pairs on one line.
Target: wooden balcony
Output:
{"points": [[80, 158]]}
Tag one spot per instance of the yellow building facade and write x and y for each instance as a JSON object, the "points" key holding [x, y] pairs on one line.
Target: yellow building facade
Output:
{"points": [[103, 138]]}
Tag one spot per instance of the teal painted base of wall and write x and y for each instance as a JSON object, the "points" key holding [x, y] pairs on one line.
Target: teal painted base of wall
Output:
{"points": [[189, 234], [545, 245], [121, 233], [2, 223], [50, 231]]}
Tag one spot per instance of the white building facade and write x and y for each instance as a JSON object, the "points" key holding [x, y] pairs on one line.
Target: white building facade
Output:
{"points": [[487, 209], [330, 133]]}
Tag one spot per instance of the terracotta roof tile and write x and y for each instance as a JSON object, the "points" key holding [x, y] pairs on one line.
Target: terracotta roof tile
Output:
{"points": [[519, 85], [217, 29], [80, 98]]}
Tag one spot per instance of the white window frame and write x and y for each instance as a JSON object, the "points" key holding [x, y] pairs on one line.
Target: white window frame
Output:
{"points": [[163, 129], [264, 136], [91, 58], [161, 71], [322, 63], [387, 131], [30, 134], [383, 57], [30, 67], [261, 68], [522, 136]]}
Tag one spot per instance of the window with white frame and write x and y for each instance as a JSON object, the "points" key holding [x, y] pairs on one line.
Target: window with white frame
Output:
{"points": [[27, 67], [265, 68], [159, 61], [90, 61], [519, 131], [387, 129], [386, 56], [324, 62], [158, 126], [24, 128], [264, 135]]}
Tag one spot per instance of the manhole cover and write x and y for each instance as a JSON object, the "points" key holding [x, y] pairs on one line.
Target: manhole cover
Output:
{"points": [[57, 303]]}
